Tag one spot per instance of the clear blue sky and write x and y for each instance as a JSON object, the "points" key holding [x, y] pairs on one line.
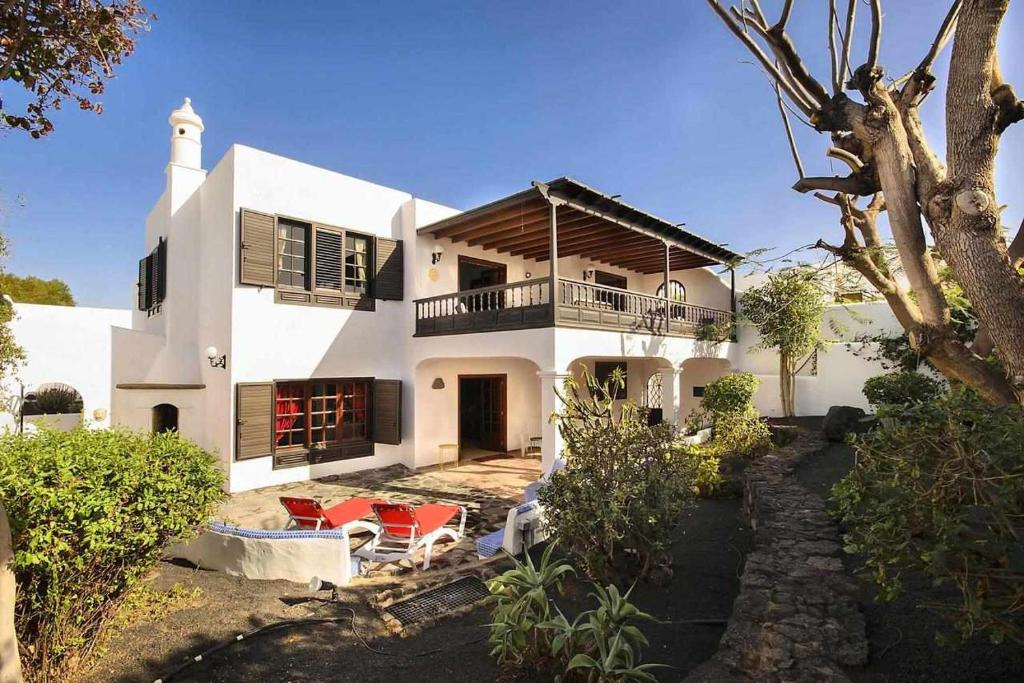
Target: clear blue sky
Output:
{"points": [[458, 103]]}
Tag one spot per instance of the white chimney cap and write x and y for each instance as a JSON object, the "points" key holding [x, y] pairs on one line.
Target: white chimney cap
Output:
{"points": [[185, 114]]}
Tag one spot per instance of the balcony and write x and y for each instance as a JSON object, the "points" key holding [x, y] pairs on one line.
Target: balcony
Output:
{"points": [[528, 305]]}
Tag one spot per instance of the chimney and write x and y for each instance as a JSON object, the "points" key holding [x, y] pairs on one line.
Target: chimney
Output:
{"points": [[186, 137]]}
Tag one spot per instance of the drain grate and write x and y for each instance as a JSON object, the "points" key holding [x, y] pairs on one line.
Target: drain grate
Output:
{"points": [[436, 601]]}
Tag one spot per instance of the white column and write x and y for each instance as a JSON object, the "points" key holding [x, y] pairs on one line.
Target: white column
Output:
{"points": [[550, 403], [670, 399]]}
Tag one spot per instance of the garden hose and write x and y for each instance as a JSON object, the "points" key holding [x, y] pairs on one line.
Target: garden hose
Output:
{"points": [[288, 623]]}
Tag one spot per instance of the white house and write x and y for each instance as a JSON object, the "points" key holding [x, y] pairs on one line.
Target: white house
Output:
{"points": [[302, 323]]}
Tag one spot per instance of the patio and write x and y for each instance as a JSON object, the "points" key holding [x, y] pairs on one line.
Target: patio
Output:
{"points": [[486, 487]]}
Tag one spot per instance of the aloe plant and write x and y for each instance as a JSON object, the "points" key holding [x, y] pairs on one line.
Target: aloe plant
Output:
{"points": [[520, 604], [615, 661]]}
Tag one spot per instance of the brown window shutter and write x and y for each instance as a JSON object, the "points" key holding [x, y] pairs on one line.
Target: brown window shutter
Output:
{"points": [[388, 275], [144, 284], [387, 411], [254, 420], [160, 286], [256, 248]]}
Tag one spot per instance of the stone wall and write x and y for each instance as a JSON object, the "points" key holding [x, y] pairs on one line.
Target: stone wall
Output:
{"points": [[796, 617]]}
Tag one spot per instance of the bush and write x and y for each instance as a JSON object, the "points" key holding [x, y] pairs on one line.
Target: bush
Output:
{"points": [[901, 388], [530, 633], [55, 399], [938, 489], [91, 511], [730, 394], [619, 499], [728, 403]]}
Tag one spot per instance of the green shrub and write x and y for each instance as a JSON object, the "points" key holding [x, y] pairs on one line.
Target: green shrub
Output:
{"points": [[530, 633], [619, 499], [728, 404], [55, 399], [91, 512], [938, 489], [901, 388], [730, 394]]}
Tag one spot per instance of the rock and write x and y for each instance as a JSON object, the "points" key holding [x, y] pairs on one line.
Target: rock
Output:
{"points": [[840, 421]]}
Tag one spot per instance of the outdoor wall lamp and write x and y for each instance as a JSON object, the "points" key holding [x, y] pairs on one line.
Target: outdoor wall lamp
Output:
{"points": [[435, 254], [216, 361], [588, 274]]}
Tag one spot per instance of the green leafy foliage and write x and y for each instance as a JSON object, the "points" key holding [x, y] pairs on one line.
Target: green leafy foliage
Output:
{"points": [[11, 354], [901, 388], [33, 290], [619, 499], [787, 311], [730, 394], [938, 489], [54, 399], [603, 644], [91, 511], [520, 605], [728, 404]]}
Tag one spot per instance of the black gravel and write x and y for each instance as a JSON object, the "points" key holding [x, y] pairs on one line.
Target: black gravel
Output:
{"points": [[902, 635]]}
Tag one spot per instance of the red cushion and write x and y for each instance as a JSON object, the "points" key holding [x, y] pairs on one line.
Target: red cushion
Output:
{"points": [[433, 516], [349, 511]]}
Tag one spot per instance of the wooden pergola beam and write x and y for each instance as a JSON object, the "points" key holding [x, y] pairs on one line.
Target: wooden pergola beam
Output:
{"points": [[536, 230]]}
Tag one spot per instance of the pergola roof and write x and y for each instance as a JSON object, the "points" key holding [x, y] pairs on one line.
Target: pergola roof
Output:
{"points": [[590, 224]]}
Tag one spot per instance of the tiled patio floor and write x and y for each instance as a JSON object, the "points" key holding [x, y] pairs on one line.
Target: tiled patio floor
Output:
{"points": [[486, 488]]}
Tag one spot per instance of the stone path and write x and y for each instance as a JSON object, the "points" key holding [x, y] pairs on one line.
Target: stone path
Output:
{"points": [[486, 488], [796, 617]]}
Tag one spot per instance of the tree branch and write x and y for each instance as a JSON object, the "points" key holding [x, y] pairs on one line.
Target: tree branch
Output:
{"points": [[789, 132], [758, 53], [833, 25], [849, 158], [851, 14], [875, 44], [852, 184], [787, 9]]}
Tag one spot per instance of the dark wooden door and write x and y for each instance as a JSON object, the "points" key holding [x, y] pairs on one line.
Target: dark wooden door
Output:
{"points": [[483, 412], [616, 302], [476, 274], [492, 415]]}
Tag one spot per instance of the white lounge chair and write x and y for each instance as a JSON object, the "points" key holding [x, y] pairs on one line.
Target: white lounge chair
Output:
{"points": [[405, 529]]}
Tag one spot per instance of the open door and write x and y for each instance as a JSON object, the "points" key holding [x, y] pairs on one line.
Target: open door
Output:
{"points": [[483, 416], [477, 274]]}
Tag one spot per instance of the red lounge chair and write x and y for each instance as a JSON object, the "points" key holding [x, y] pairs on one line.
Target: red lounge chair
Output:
{"points": [[306, 513], [404, 529]]}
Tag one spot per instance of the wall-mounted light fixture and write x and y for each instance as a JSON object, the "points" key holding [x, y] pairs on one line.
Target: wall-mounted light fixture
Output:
{"points": [[527, 275], [588, 274], [435, 254], [438, 383], [216, 361]]}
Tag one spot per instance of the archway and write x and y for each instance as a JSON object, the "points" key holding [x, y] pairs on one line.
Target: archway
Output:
{"points": [[165, 418]]}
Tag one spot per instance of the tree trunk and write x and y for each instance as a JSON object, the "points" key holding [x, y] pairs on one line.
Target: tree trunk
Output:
{"points": [[787, 392], [10, 660]]}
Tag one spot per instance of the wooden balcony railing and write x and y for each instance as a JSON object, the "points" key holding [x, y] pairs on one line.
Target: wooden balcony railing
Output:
{"points": [[513, 306], [528, 304]]}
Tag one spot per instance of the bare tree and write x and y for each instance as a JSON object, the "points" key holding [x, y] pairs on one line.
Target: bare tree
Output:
{"points": [[876, 130]]}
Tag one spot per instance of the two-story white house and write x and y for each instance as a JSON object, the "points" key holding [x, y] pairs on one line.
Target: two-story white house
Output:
{"points": [[301, 323]]}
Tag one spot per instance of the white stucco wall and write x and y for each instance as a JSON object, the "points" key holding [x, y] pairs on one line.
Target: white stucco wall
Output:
{"points": [[841, 373], [437, 419], [69, 344]]}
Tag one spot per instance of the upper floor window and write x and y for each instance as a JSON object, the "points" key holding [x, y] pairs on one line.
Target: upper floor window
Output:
{"points": [[152, 284], [676, 290], [357, 263], [292, 253]]}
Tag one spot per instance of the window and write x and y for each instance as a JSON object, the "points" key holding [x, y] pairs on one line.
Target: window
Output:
{"points": [[698, 392], [676, 290], [321, 412], [603, 371], [321, 265], [152, 284], [165, 418], [292, 253], [357, 263]]}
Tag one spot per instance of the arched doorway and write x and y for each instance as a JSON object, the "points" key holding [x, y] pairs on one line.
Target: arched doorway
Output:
{"points": [[165, 418]]}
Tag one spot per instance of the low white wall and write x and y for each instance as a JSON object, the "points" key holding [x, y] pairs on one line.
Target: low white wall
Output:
{"points": [[68, 344], [288, 559]]}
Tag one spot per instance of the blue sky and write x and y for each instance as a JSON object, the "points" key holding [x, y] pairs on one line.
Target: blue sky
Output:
{"points": [[458, 103]]}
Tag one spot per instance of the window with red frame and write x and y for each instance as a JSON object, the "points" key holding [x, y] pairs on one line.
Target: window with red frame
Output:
{"points": [[310, 413]]}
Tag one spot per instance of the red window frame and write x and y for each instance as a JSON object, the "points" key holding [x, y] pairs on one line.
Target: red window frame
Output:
{"points": [[321, 412]]}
